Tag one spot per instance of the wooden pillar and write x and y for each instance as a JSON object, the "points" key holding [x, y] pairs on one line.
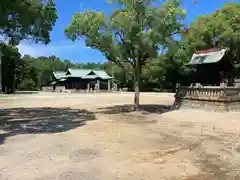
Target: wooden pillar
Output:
{"points": [[109, 85]]}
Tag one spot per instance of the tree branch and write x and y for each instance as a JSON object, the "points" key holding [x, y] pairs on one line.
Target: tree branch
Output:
{"points": [[129, 51], [112, 59]]}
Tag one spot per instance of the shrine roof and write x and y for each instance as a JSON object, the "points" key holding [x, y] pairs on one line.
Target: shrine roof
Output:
{"points": [[207, 56]]}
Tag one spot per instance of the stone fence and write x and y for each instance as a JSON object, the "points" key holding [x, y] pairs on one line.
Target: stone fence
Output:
{"points": [[50, 89], [208, 93], [214, 98], [47, 89], [89, 90]]}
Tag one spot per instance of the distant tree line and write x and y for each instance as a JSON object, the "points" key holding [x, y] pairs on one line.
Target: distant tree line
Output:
{"points": [[28, 73]]}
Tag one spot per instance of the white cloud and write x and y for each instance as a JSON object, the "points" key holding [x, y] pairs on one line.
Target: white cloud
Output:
{"points": [[57, 48], [25, 49]]}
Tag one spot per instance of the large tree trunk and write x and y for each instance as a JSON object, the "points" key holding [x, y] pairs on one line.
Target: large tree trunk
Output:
{"points": [[136, 85]]}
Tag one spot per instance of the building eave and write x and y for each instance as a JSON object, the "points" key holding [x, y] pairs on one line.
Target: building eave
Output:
{"points": [[207, 56]]}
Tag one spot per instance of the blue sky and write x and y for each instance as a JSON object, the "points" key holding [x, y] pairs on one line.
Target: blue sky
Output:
{"points": [[78, 52]]}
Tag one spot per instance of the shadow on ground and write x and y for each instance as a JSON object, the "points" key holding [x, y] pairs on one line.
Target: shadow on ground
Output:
{"points": [[128, 108], [16, 121]]}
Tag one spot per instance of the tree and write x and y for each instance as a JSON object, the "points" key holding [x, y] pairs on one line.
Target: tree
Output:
{"points": [[10, 58], [27, 84], [67, 64], [154, 74], [27, 19], [123, 77], [220, 29], [132, 34]]}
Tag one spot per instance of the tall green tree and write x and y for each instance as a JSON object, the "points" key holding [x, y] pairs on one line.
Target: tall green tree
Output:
{"points": [[132, 34], [19, 20], [27, 19], [10, 58]]}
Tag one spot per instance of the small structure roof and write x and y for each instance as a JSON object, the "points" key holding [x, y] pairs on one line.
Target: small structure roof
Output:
{"points": [[207, 56]]}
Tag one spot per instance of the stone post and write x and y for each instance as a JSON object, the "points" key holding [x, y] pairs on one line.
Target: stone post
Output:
{"points": [[98, 86], [177, 86], [109, 85], [114, 88], [88, 88], [223, 85]]}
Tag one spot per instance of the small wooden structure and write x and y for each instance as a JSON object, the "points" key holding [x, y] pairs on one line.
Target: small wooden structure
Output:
{"points": [[79, 80], [209, 92]]}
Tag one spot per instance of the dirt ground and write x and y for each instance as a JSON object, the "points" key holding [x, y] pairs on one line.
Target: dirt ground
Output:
{"points": [[98, 137]]}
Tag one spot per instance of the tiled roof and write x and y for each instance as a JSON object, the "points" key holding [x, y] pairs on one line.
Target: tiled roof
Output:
{"points": [[78, 72], [90, 77], [82, 73], [59, 74], [102, 74], [206, 57]]}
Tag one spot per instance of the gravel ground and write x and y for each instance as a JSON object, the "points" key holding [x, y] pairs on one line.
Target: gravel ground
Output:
{"points": [[98, 137]]}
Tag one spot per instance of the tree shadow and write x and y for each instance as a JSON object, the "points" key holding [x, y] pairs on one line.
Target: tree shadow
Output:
{"points": [[2, 138], [16, 121], [128, 108]]}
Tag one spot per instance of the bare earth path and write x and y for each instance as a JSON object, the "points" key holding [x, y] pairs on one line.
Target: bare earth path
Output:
{"points": [[98, 137]]}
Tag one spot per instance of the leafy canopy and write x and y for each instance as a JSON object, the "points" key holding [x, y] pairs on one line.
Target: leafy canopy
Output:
{"points": [[27, 19], [132, 34], [134, 31], [219, 29]]}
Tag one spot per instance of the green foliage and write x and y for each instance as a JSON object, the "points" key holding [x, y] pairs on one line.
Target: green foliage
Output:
{"points": [[31, 73], [36, 72], [10, 57], [219, 29], [27, 84], [132, 34], [27, 19]]}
